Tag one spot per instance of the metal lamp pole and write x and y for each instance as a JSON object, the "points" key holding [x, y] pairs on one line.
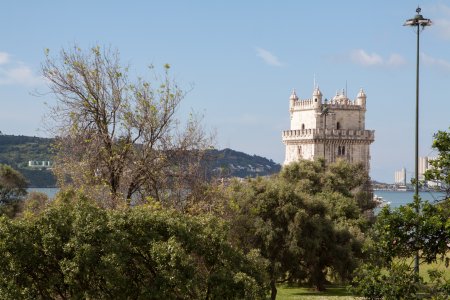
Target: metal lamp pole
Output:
{"points": [[419, 22]]}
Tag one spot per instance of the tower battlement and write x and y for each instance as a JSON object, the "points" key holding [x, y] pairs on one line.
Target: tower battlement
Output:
{"points": [[329, 133]]}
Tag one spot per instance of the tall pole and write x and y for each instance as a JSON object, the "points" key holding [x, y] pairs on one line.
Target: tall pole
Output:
{"points": [[418, 21], [416, 166]]}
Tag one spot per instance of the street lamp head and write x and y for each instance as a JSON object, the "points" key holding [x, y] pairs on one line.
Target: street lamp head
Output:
{"points": [[418, 20]]}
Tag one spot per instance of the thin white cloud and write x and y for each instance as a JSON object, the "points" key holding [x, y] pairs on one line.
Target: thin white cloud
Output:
{"points": [[4, 58], [441, 23], [15, 72], [361, 57], [396, 60], [435, 62], [443, 28], [268, 57]]}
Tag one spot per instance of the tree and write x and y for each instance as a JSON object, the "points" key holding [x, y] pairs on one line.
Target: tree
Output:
{"points": [[75, 250], [302, 221], [12, 189], [396, 237], [119, 138], [440, 171], [399, 234], [375, 283], [35, 202]]}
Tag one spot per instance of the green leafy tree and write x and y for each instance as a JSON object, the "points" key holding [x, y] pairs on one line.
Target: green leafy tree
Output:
{"points": [[12, 189], [401, 233], [375, 283], [35, 202], [75, 250], [440, 171], [303, 222], [397, 236]]}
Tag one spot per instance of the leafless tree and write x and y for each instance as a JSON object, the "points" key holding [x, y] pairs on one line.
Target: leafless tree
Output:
{"points": [[119, 139]]}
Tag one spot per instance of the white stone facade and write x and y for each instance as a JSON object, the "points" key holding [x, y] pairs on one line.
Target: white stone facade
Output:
{"points": [[336, 127]]}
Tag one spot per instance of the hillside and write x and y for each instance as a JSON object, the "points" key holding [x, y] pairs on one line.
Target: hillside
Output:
{"points": [[18, 151], [231, 163]]}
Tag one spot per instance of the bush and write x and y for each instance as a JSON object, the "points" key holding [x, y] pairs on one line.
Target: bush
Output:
{"points": [[397, 282], [73, 249]]}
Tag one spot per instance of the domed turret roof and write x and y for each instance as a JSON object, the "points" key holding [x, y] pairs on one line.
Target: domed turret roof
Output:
{"points": [[293, 96], [317, 92], [361, 94]]}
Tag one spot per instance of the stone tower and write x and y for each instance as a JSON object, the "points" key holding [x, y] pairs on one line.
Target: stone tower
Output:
{"points": [[334, 129]]}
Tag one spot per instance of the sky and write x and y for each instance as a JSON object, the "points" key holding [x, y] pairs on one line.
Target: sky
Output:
{"points": [[240, 61]]}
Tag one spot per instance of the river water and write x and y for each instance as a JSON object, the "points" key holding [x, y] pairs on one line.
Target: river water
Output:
{"points": [[397, 198], [50, 192]]}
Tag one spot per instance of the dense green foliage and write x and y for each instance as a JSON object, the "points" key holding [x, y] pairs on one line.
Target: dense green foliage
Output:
{"points": [[400, 233], [440, 171], [419, 228], [376, 284], [73, 249], [12, 190], [306, 221]]}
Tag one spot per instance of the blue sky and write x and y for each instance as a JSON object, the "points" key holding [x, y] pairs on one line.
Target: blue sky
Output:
{"points": [[243, 58]]}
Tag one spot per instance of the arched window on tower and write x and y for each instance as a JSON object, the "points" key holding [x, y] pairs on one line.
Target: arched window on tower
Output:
{"points": [[339, 150], [338, 125], [343, 150], [303, 126]]}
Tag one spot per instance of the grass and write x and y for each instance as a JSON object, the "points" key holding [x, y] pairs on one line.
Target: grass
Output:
{"points": [[302, 293], [439, 265], [286, 292]]}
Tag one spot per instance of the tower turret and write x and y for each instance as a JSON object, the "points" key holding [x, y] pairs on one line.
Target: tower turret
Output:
{"points": [[361, 98], [293, 98], [317, 97]]}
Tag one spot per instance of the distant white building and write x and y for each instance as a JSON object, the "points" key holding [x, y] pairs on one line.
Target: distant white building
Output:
{"points": [[333, 130], [400, 177], [424, 165], [39, 164]]}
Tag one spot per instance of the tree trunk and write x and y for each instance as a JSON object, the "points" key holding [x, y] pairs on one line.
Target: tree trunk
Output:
{"points": [[273, 289], [319, 279]]}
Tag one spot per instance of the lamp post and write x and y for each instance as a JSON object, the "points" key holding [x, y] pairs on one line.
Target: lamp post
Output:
{"points": [[324, 114], [419, 22]]}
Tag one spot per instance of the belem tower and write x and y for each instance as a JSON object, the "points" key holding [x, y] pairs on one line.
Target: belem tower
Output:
{"points": [[332, 129]]}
